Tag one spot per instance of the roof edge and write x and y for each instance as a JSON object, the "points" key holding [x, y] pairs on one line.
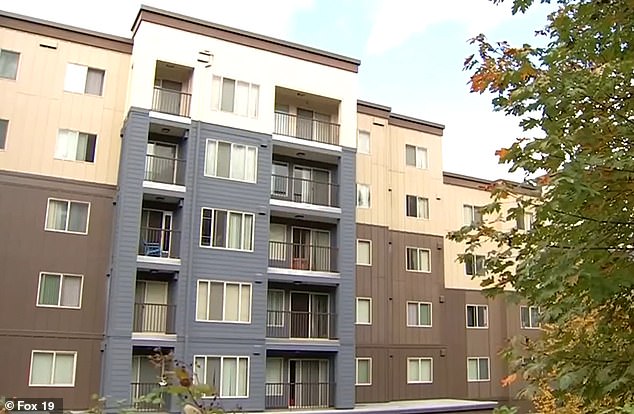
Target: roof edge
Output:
{"points": [[417, 124], [480, 183]]}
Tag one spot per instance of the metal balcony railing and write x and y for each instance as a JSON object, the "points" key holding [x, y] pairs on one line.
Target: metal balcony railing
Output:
{"points": [[299, 395], [300, 256], [301, 190], [171, 102], [164, 170], [153, 318], [295, 324], [139, 389], [306, 128], [157, 242]]}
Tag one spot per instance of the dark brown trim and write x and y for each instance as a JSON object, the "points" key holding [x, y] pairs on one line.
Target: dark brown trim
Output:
{"points": [[415, 124], [193, 25], [21, 179], [482, 184], [64, 32]]}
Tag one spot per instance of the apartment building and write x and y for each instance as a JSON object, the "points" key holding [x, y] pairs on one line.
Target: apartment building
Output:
{"points": [[63, 93], [423, 328]]}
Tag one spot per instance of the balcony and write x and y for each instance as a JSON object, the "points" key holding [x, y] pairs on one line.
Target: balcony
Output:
{"points": [[305, 127], [158, 242], [301, 256], [299, 395], [164, 170], [304, 190], [171, 102], [154, 318], [139, 389], [305, 325]]}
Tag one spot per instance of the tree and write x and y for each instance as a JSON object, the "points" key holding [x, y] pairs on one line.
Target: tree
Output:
{"points": [[573, 100]]}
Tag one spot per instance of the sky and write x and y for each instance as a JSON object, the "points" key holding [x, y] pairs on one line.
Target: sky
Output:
{"points": [[411, 53]]}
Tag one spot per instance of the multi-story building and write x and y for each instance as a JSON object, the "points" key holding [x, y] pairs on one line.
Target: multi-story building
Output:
{"points": [[63, 92]]}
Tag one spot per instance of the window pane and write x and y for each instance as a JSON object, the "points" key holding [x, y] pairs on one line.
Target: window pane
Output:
{"points": [[363, 371], [215, 303], [413, 374], [4, 126], [228, 91], [243, 377], [250, 164], [212, 374], [66, 145], [410, 202], [482, 316], [471, 316], [202, 301], [480, 262], [412, 259], [41, 368], [273, 371], [254, 101], [49, 290], [94, 81], [78, 220], [220, 228], [245, 303], [215, 93], [410, 155], [223, 162], [242, 98], [75, 80], [421, 157], [425, 370], [199, 369], [8, 64], [229, 377], [235, 231], [412, 314], [205, 231], [64, 369], [422, 208], [232, 302], [524, 316], [363, 252], [210, 158], [472, 369], [534, 321], [71, 291], [424, 260], [468, 215], [363, 311], [248, 232], [363, 144], [238, 156], [91, 145], [483, 372], [425, 314], [468, 264], [57, 213]]}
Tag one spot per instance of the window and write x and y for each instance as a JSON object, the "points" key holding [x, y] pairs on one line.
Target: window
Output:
{"points": [[223, 302], [416, 156], [474, 265], [52, 368], [364, 371], [9, 64], [419, 314], [82, 79], [364, 252], [363, 196], [418, 260], [364, 311], [419, 370], [478, 369], [275, 308], [417, 207], [529, 316], [227, 375], [274, 384], [240, 98], [67, 216], [524, 221], [75, 146], [226, 229], [477, 316], [4, 127], [363, 142], [233, 161], [472, 215], [57, 290]]}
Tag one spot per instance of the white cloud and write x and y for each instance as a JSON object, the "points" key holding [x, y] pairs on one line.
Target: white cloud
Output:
{"points": [[396, 21]]}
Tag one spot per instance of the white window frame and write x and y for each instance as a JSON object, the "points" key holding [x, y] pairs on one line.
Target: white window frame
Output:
{"points": [[282, 323], [474, 258], [76, 136], [416, 160], [279, 390], [369, 242], [418, 305], [532, 324], [363, 299], [222, 367], [241, 285], [216, 103], [486, 316], [478, 373], [61, 284], [418, 201], [528, 219], [473, 219], [17, 66], [431, 370], [418, 250], [369, 200], [356, 376], [37, 351], [361, 132], [48, 202], [87, 68], [211, 235], [213, 174], [3, 139]]}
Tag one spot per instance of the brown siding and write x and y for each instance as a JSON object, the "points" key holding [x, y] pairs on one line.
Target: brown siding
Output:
{"points": [[29, 250]]}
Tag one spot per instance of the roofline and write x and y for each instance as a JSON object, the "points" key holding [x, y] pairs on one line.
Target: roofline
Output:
{"points": [[476, 183], [65, 32], [416, 124], [194, 25]]}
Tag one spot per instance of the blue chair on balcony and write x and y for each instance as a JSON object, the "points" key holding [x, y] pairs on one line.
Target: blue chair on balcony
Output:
{"points": [[152, 249]]}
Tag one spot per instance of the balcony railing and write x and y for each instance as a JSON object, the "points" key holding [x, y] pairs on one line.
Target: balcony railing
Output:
{"points": [[157, 242], [306, 128], [302, 190], [299, 395], [164, 170], [295, 324], [139, 389], [300, 256], [171, 102], [153, 318]]}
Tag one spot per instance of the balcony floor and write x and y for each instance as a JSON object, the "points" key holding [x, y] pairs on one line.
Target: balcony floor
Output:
{"points": [[398, 407]]}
